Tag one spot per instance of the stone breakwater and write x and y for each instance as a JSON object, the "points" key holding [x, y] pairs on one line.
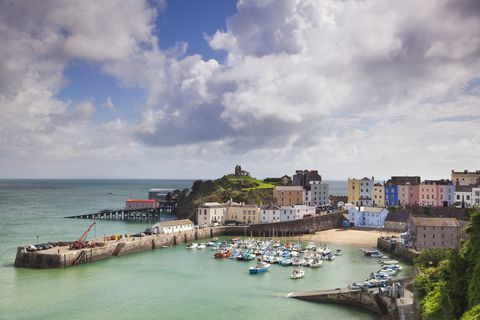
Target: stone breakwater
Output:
{"points": [[60, 256]]}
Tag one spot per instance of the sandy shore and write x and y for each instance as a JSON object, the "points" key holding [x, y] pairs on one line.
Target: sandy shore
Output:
{"points": [[356, 238]]}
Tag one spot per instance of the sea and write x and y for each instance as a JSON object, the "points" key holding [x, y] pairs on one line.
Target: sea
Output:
{"points": [[167, 283]]}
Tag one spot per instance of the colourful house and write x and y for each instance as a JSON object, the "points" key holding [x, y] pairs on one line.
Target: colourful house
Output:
{"points": [[446, 193], [391, 194], [378, 195], [403, 191], [414, 195], [428, 194], [353, 191]]}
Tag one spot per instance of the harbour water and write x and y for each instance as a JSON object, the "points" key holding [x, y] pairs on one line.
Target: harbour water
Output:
{"points": [[171, 283]]}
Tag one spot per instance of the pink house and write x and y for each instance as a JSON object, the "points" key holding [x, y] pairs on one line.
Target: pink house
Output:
{"points": [[414, 195], [428, 194]]}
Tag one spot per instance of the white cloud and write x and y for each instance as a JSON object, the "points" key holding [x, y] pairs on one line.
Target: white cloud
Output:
{"points": [[345, 86]]}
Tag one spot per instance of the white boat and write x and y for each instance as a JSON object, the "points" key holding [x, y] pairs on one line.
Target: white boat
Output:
{"points": [[259, 267], [201, 246], [192, 246], [316, 263], [338, 252], [311, 246], [297, 273]]}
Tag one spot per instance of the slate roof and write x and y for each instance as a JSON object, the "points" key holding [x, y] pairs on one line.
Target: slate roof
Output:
{"points": [[435, 222], [398, 216]]}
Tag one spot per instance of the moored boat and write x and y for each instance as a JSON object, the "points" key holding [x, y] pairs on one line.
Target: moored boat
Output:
{"points": [[259, 267], [297, 273], [192, 246]]}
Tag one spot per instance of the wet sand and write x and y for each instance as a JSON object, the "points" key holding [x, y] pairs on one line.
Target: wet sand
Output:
{"points": [[350, 237]]}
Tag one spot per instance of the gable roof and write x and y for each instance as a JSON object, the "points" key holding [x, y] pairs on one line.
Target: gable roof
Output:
{"points": [[398, 216]]}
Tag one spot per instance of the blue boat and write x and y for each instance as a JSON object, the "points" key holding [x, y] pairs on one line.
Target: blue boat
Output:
{"points": [[259, 267]]}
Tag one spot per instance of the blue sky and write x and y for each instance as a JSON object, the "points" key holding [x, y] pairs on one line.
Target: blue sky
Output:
{"points": [[85, 81]]}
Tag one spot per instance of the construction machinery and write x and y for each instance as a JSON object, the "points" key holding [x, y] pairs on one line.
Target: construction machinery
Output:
{"points": [[81, 243]]}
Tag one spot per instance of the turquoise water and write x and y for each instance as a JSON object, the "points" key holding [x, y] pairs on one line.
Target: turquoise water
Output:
{"points": [[172, 283]]}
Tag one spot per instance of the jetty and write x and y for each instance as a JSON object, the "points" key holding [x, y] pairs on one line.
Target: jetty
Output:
{"points": [[387, 303], [126, 215]]}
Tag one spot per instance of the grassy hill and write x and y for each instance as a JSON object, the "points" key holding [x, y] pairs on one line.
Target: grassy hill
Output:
{"points": [[238, 188]]}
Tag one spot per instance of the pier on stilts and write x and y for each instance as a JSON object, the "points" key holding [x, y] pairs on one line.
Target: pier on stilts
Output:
{"points": [[127, 215]]}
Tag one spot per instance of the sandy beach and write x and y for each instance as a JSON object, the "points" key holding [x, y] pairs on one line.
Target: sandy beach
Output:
{"points": [[350, 237]]}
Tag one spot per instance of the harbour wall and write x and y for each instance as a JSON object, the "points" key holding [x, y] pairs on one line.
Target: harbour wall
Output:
{"points": [[62, 257], [371, 300], [396, 249]]}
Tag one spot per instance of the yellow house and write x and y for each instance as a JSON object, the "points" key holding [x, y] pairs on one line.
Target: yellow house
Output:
{"points": [[241, 213], [378, 194], [288, 195], [353, 191]]}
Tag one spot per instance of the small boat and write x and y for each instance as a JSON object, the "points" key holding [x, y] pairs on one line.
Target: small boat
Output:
{"points": [[389, 261], [246, 256], [297, 274], [338, 252], [310, 246], [201, 246], [285, 262], [316, 263], [259, 267], [368, 253], [222, 254], [192, 246], [376, 255]]}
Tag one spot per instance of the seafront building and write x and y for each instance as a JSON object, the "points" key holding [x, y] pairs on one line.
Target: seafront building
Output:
{"points": [[295, 212], [288, 195], [428, 233], [140, 204], [445, 193], [211, 213], [403, 191], [304, 177], [397, 221], [428, 194], [400, 180], [467, 196], [378, 195], [269, 214], [372, 217], [391, 194], [318, 195], [465, 178], [175, 226], [242, 213], [353, 191]]}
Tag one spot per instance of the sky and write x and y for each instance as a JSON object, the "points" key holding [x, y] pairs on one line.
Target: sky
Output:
{"points": [[187, 89]]}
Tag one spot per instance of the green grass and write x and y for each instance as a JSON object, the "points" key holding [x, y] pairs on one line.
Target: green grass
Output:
{"points": [[260, 183]]}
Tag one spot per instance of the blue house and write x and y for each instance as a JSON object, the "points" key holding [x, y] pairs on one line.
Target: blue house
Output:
{"points": [[391, 194]]}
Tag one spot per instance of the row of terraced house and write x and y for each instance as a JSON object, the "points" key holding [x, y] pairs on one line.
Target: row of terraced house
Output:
{"points": [[462, 190]]}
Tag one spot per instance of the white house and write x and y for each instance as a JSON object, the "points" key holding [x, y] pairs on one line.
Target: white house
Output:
{"points": [[173, 226], [373, 217], [211, 213], [464, 196], [269, 214], [318, 194], [366, 186], [476, 196], [289, 213]]}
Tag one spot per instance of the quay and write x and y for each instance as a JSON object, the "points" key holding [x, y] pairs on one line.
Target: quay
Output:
{"points": [[386, 306], [127, 215], [61, 256]]}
